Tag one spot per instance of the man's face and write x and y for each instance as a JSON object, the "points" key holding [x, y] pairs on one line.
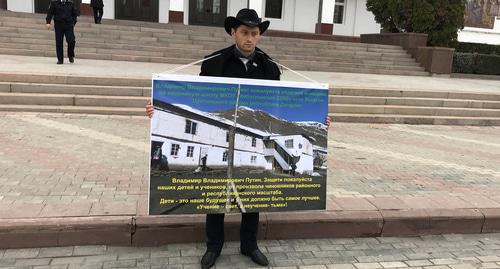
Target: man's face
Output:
{"points": [[246, 38]]}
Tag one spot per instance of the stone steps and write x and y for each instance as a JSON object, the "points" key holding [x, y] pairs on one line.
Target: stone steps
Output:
{"points": [[412, 119], [24, 34], [347, 67], [127, 111], [51, 99], [382, 92], [94, 90], [405, 101], [137, 45], [71, 81], [87, 46], [119, 96], [177, 29], [413, 110]]}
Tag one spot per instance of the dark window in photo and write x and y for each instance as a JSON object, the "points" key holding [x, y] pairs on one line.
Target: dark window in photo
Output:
{"points": [[190, 127], [190, 151], [174, 151]]}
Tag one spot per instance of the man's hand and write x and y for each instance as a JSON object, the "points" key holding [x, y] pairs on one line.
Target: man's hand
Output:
{"points": [[48, 26], [149, 109], [327, 121]]}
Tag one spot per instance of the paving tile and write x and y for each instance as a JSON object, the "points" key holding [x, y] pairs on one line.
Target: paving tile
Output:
{"points": [[88, 250], [20, 253], [393, 264], [368, 265], [56, 252]]}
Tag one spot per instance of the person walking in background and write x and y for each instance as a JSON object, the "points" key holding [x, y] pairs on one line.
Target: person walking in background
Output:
{"points": [[98, 7], [64, 13]]}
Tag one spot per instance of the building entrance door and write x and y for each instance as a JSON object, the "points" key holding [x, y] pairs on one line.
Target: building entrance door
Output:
{"points": [[207, 12], [137, 10], [41, 6]]}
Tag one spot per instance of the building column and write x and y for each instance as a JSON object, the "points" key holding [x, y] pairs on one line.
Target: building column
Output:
{"points": [[109, 9], [325, 15], [186, 12], [21, 6], [163, 11]]}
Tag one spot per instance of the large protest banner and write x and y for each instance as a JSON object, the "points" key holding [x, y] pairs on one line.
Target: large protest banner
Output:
{"points": [[237, 145]]}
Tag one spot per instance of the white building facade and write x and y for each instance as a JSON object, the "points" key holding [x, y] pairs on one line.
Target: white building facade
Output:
{"points": [[189, 138], [338, 17]]}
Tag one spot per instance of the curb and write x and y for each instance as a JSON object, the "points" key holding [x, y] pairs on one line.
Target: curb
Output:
{"points": [[160, 230]]}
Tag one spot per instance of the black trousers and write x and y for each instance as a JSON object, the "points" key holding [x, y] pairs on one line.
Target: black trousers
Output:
{"points": [[98, 11], [248, 232], [64, 30]]}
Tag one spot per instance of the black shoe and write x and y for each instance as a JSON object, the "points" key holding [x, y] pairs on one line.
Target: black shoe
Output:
{"points": [[257, 257], [59, 62], [208, 259], [71, 59]]}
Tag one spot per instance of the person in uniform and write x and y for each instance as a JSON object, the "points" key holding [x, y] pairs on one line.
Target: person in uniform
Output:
{"points": [[98, 8], [64, 13]]}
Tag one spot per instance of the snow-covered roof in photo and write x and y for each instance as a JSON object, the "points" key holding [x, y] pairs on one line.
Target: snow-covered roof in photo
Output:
{"points": [[221, 119], [319, 148]]}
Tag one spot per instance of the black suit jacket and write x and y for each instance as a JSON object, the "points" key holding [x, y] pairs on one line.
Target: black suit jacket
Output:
{"points": [[227, 64], [96, 3], [62, 13]]}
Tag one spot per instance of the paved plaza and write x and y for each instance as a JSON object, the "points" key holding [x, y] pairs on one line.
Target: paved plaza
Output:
{"points": [[54, 165], [428, 252]]}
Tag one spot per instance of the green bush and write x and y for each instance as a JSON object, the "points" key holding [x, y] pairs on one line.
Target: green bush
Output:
{"points": [[439, 19], [474, 63], [478, 48]]}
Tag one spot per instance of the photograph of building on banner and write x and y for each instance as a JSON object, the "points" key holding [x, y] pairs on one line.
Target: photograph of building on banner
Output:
{"points": [[270, 157]]}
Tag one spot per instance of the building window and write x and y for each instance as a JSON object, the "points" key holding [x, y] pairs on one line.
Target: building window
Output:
{"points": [[174, 151], [254, 142], [289, 143], [227, 136], [338, 14], [216, 7], [253, 159], [200, 6], [190, 151], [300, 145], [224, 156], [274, 9], [190, 127]]}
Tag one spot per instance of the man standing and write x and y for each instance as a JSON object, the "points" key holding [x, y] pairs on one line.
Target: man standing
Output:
{"points": [[241, 60], [64, 13], [98, 8]]}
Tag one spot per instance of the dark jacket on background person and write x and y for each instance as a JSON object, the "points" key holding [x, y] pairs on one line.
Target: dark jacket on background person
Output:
{"points": [[228, 64], [96, 3], [63, 13]]}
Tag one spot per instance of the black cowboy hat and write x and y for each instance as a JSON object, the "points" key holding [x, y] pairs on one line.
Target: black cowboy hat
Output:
{"points": [[246, 17]]}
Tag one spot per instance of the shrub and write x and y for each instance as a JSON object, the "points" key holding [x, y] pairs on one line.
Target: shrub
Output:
{"points": [[474, 63], [478, 48], [439, 19]]}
